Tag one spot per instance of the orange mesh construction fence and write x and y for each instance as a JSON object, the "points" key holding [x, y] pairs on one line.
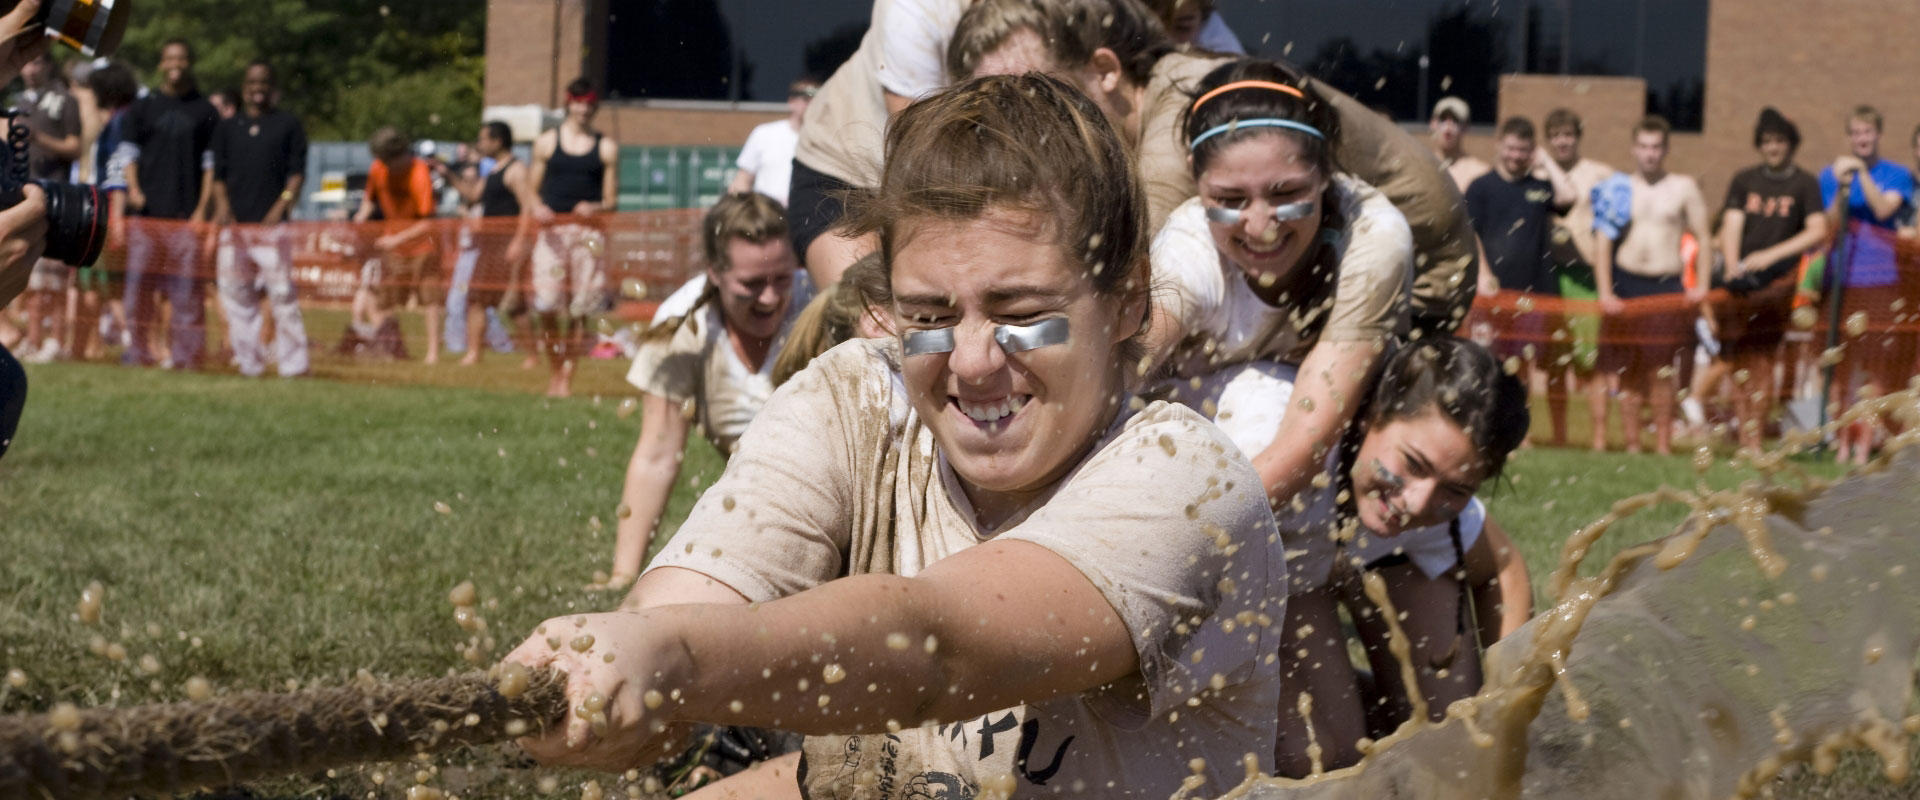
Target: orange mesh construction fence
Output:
{"points": [[628, 262], [643, 256]]}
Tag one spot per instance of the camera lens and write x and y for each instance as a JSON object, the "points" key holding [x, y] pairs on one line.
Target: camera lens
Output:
{"points": [[76, 233]]}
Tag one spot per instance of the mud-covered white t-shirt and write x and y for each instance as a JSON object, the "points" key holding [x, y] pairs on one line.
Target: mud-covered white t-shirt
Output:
{"points": [[1223, 321], [839, 476], [698, 366]]}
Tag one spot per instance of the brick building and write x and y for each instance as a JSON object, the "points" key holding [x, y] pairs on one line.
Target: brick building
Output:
{"points": [[1813, 61]]}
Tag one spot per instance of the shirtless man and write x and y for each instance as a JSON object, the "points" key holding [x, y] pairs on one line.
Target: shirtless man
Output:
{"points": [[1645, 262], [1445, 128], [1564, 132]]}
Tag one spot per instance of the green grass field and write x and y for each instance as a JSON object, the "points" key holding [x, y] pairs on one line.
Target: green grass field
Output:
{"points": [[259, 531]]}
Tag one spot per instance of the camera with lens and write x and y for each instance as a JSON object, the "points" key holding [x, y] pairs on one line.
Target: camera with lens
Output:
{"points": [[76, 218]]}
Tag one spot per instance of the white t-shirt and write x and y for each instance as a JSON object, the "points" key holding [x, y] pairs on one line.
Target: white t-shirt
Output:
{"points": [[768, 154], [1224, 322], [913, 54], [839, 476], [698, 366]]}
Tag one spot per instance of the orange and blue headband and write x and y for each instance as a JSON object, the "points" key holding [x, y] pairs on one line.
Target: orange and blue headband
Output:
{"points": [[1261, 122]]}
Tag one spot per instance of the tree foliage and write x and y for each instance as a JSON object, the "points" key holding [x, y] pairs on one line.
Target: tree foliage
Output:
{"points": [[346, 66]]}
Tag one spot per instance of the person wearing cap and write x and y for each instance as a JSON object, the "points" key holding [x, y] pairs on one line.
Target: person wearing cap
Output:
{"points": [[574, 172], [766, 162], [1445, 129]]}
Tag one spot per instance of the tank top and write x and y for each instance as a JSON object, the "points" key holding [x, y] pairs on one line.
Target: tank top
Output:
{"points": [[572, 179], [496, 200]]}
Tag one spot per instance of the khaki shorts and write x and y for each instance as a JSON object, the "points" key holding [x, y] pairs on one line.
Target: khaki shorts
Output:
{"points": [[48, 276], [568, 273], [401, 277]]}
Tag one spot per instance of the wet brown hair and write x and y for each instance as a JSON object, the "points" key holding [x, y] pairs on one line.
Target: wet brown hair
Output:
{"points": [[756, 218], [1028, 143], [1462, 381], [1071, 29]]}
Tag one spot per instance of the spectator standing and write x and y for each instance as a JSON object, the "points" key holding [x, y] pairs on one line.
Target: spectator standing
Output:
{"points": [[1772, 217], [497, 198], [259, 165], [766, 162], [1445, 128], [574, 173], [1574, 244], [1880, 189], [53, 124], [1564, 131], [100, 286], [402, 187], [1651, 347], [1512, 209], [169, 173]]}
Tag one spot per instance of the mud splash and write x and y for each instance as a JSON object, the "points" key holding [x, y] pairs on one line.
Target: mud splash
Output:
{"points": [[1776, 627]]}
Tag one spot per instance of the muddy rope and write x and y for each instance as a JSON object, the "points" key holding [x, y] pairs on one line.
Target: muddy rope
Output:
{"points": [[166, 749]]}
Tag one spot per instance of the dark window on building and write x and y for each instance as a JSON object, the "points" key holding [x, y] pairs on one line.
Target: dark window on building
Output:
{"points": [[728, 50], [1374, 49]]}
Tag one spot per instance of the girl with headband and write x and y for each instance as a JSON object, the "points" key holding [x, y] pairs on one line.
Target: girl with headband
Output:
{"points": [[1398, 501], [975, 566], [1282, 258], [1117, 52]]}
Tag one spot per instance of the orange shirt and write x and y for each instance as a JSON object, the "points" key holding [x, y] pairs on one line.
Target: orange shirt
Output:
{"points": [[405, 203]]}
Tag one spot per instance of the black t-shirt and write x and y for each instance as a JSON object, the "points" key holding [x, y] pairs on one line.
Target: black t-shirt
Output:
{"points": [[1776, 207], [1515, 223], [254, 157], [173, 134]]}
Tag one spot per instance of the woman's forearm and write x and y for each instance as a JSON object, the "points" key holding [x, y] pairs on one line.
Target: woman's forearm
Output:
{"points": [[1326, 395], [868, 653]]}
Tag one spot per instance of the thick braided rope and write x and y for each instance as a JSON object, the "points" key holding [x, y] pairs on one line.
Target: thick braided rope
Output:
{"points": [[164, 749]]}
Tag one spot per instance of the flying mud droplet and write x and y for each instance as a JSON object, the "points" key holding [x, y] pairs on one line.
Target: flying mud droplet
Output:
{"points": [[1804, 318], [199, 688], [442, 507], [17, 678], [652, 699], [91, 599], [1856, 324]]}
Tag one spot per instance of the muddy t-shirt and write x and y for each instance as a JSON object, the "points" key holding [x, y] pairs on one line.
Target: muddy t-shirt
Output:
{"points": [[698, 367], [1370, 147], [839, 476], [1222, 320]]}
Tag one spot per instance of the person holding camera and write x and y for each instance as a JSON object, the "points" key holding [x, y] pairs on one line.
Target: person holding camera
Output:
{"points": [[23, 226], [169, 174]]}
